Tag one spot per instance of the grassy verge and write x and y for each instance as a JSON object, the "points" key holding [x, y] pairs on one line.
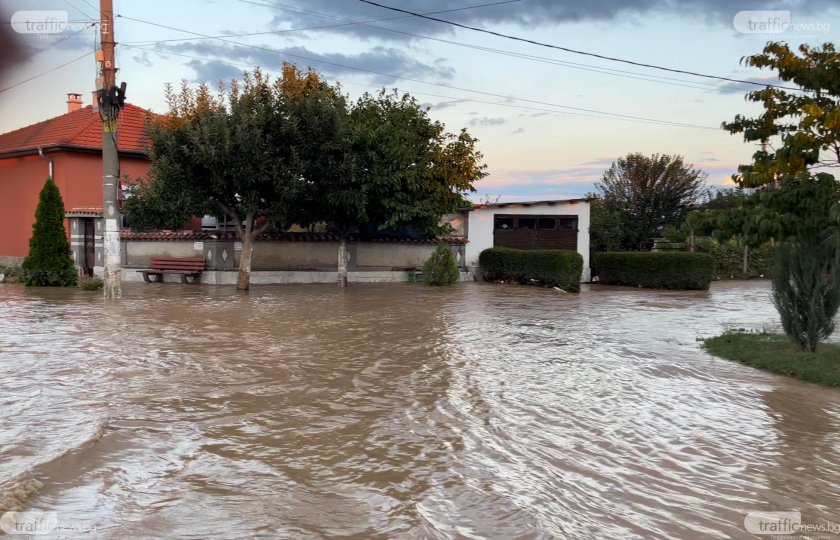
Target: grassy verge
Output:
{"points": [[776, 354]]}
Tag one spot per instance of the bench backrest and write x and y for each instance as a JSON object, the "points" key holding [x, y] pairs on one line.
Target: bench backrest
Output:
{"points": [[176, 263]]}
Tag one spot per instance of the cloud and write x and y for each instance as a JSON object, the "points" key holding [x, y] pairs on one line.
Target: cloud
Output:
{"points": [[487, 121], [443, 104], [517, 131], [78, 40], [737, 87], [214, 71], [526, 14], [583, 174], [144, 59], [575, 181], [533, 192], [378, 61]]}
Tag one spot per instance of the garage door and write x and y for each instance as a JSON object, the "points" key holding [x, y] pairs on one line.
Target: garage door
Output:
{"points": [[535, 232]]}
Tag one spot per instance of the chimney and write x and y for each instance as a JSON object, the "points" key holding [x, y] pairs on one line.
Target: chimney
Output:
{"points": [[94, 101], [74, 102]]}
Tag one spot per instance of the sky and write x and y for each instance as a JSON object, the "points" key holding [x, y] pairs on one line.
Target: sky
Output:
{"points": [[549, 122]]}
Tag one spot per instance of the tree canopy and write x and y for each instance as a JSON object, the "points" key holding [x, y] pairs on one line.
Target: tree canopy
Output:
{"points": [[646, 194], [801, 128], [295, 150]]}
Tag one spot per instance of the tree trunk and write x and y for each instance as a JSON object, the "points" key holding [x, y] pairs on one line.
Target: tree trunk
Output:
{"points": [[691, 241], [243, 282], [746, 260], [342, 262]]}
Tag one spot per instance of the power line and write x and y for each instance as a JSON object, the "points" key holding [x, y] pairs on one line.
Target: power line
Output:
{"points": [[346, 22], [44, 73], [77, 9], [59, 40], [573, 65], [575, 51], [541, 59], [94, 8], [374, 72], [589, 113]]}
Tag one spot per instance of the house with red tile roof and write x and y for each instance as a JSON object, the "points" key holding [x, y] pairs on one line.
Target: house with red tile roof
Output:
{"points": [[70, 148]]}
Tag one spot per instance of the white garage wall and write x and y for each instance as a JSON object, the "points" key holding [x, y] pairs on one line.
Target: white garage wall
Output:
{"points": [[480, 227]]}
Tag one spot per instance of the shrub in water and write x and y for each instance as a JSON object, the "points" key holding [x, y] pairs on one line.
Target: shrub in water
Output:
{"points": [[553, 267], [49, 262], [90, 283], [441, 268], [655, 270], [806, 291]]}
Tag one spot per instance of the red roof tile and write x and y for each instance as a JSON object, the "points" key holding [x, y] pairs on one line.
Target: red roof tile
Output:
{"points": [[80, 129], [275, 237]]}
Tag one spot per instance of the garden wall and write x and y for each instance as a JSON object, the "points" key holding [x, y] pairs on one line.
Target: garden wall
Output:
{"points": [[289, 258]]}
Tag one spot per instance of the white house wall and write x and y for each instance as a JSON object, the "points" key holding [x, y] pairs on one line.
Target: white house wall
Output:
{"points": [[480, 227]]}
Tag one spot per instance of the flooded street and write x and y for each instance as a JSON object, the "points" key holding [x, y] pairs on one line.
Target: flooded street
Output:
{"points": [[403, 411]]}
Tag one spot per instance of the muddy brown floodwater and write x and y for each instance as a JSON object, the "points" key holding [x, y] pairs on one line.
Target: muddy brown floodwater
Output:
{"points": [[403, 411]]}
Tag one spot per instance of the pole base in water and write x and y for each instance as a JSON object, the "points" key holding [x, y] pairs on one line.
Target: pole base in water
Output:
{"points": [[112, 284]]}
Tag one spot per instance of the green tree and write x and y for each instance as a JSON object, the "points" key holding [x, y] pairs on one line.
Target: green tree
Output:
{"points": [[441, 268], [605, 227], [797, 205], [148, 206], [49, 262], [649, 193], [234, 154], [801, 127], [388, 165]]}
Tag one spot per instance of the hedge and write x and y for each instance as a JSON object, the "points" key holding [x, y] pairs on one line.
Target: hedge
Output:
{"points": [[552, 267], [669, 270]]}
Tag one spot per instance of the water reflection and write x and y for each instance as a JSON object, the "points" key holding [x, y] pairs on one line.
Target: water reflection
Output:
{"points": [[403, 411]]}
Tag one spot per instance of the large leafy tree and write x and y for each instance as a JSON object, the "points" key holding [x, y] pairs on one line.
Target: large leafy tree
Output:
{"points": [[296, 151], [387, 165], [235, 153], [797, 204], [49, 262], [648, 193]]}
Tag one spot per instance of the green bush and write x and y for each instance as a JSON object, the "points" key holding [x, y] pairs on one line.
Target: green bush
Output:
{"points": [[552, 267], [11, 274], [670, 270], [441, 268], [90, 283], [49, 262]]}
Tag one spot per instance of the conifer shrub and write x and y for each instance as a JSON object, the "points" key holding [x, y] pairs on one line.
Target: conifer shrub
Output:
{"points": [[49, 263], [806, 290], [441, 268], [674, 270], [551, 267]]}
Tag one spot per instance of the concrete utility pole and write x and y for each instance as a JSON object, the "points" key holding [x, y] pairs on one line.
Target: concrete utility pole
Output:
{"points": [[110, 160]]}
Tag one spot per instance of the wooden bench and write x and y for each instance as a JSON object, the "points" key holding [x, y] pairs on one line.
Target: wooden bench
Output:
{"points": [[185, 267]]}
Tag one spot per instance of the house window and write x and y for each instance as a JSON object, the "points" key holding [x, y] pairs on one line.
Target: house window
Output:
{"points": [[546, 223], [526, 223], [505, 223]]}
